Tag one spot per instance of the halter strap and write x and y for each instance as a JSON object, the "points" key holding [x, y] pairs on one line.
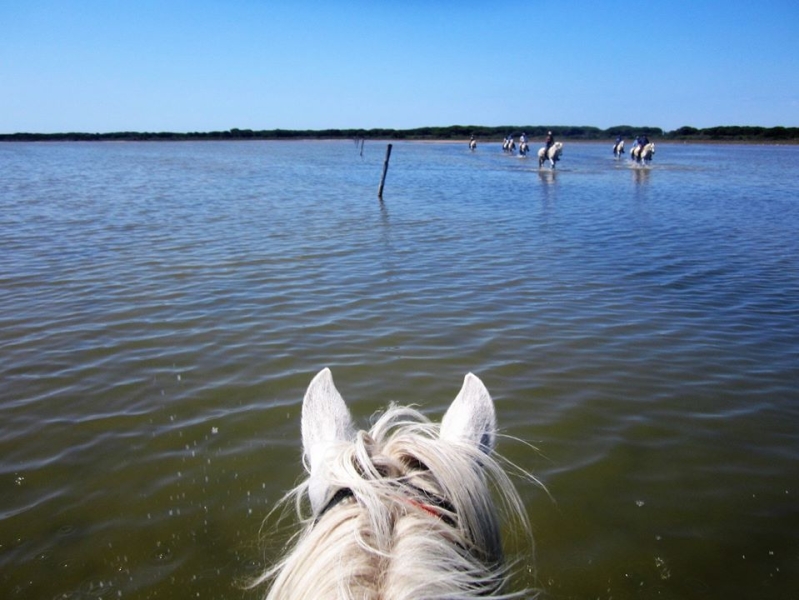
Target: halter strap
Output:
{"points": [[340, 495], [432, 504]]}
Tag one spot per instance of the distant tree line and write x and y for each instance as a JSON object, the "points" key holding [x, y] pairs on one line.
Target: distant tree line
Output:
{"points": [[452, 132], [737, 133]]}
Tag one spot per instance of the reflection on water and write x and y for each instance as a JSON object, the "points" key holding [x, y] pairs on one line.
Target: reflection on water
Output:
{"points": [[641, 174], [163, 307], [547, 176]]}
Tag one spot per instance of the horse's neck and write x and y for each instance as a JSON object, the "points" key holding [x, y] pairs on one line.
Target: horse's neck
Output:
{"points": [[389, 547]]}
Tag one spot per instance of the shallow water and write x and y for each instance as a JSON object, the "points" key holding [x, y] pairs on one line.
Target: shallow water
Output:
{"points": [[164, 305]]}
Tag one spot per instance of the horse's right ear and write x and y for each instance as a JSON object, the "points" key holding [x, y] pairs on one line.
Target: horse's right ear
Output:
{"points": [[326, 420], [471, 416]]}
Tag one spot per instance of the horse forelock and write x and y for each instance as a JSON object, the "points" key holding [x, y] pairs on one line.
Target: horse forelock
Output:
{"points": [[420, 521]]}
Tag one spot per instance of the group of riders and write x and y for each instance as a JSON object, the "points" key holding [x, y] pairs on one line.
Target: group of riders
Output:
{"points": [[509, 144], [641, 150]]}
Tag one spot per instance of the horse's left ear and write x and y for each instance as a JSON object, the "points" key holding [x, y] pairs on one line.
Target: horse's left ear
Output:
{"points": [[326, 420], [471, 416]]}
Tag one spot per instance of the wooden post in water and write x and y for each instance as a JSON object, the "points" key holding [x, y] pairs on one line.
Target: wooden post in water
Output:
{"points": [[385, 170]]}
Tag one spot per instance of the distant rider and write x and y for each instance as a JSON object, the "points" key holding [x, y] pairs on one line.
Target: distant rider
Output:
{"points": [[523, 144], [512, 141], [548, 143]]}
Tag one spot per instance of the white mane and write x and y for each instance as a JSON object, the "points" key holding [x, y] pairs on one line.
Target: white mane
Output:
{"points": [[404, 511]]}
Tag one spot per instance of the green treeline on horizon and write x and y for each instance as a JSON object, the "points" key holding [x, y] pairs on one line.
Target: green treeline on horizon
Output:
{"points": [[452, 132]]}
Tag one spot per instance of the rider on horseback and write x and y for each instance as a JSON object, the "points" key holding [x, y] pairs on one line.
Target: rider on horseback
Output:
{"points": [[636, 146], [637, 153], [523, 144], [548, 143], [617, 150]]}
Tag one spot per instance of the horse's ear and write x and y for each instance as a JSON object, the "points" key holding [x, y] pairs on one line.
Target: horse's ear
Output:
{"points": [[471, 416], [326, 420]]}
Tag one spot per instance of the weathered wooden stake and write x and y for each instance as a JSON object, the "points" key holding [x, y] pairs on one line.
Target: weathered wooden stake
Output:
{"points": [[385, 170]]}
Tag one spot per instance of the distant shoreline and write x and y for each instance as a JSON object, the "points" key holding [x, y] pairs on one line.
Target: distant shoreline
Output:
{"points": [[454, 133], [450, 141]]}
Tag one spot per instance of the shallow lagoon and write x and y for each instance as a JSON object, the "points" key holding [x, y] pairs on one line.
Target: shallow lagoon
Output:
{"points": [[164, 305]]}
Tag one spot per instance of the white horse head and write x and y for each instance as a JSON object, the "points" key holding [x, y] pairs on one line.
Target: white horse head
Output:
{"points": [[401, 511], [553, 155]]}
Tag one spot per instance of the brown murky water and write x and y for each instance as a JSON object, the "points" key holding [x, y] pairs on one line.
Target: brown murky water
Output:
{"points": [[163, 307]]}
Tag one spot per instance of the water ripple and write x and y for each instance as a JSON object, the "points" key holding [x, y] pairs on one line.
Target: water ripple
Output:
{"points": [[163, 306]]}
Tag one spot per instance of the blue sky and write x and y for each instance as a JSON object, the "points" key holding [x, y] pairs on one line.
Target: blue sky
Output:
{"points": [[204, 65]]}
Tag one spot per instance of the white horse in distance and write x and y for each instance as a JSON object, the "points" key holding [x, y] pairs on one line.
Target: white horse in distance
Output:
{"points": [[553, 155], [643, 154], [618, 149], [401, 511], [472, 144]]}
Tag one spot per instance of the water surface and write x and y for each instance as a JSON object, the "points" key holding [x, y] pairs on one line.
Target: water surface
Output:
{"points": [[164, 305]]}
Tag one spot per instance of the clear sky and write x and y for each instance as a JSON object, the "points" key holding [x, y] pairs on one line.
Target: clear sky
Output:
{"points": [[206, 65]]}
